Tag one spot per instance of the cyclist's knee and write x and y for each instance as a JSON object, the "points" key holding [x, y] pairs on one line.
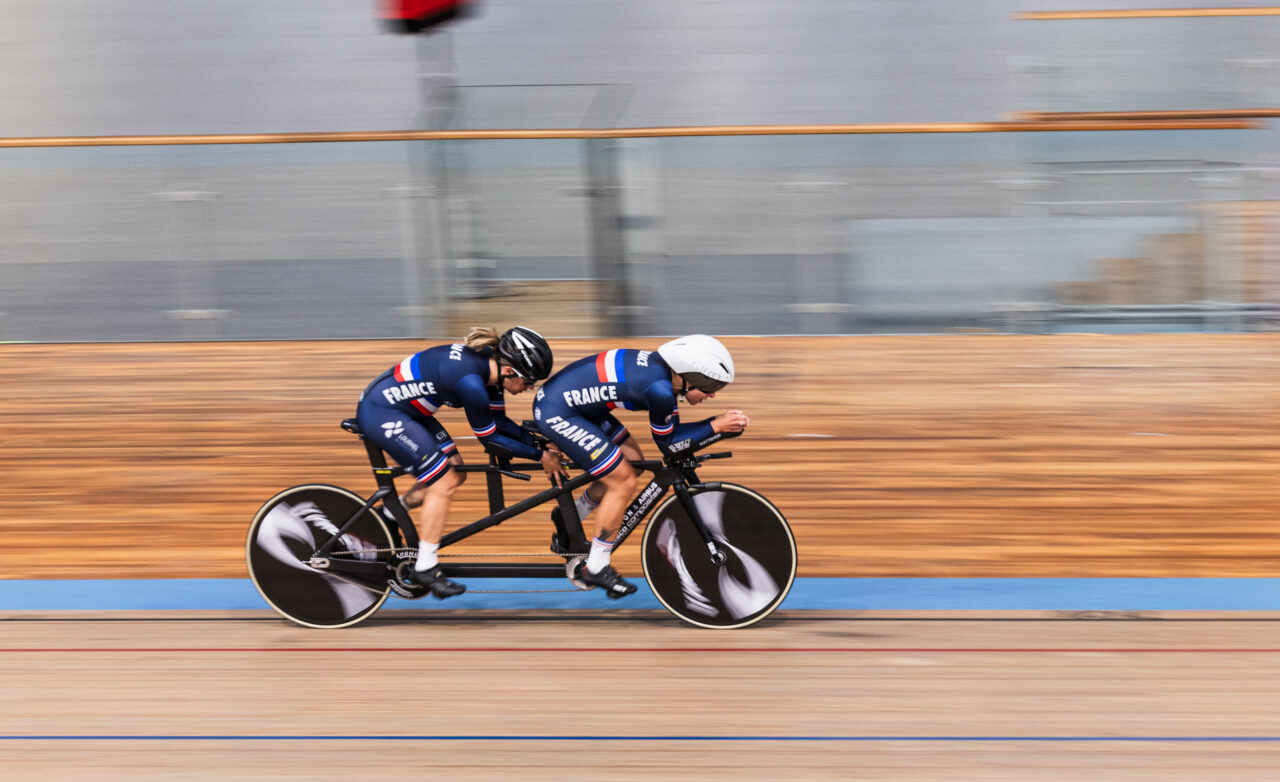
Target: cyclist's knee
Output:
{"points": [[447, 483], [622, 478]]}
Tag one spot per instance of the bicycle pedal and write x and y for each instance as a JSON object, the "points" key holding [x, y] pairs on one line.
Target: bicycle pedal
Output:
{"points": [[571, 565], [402, 586]]}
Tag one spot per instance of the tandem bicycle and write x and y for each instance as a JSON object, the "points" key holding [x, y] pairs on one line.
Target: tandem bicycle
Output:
{"points": [[715, 554]]}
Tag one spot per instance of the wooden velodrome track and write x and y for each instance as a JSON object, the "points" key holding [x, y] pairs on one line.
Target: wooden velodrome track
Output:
{"points": [[966, 455]]}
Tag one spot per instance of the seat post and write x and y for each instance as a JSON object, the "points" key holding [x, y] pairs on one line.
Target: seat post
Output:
{"points": [[385, 478], [377, 458]]}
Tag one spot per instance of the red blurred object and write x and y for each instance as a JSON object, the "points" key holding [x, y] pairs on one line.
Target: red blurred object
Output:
{"points": [[418, 16]]}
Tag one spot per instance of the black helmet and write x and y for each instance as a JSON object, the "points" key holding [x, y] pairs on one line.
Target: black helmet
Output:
{"points": [[525, 351]]}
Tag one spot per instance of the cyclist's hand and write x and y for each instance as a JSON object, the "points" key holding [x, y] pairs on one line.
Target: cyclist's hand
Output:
{"points": [[551, 465], [730, 421]]}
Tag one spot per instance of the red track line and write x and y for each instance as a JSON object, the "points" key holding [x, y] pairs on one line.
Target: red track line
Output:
{"points": [[698, 649]]}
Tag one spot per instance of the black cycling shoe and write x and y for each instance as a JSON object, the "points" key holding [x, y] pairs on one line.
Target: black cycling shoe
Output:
{"points": [[437, 582], [614, 585]]}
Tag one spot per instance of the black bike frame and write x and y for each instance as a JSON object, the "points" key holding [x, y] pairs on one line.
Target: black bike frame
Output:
{"points": [[680, 474]]}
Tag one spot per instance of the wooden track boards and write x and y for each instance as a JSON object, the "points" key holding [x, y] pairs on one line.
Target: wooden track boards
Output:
{"points": [[801, 696], [968, 455]]}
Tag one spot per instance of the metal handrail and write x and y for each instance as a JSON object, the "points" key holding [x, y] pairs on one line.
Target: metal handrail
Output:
{"points": [[1147, 13], [638, 132]]}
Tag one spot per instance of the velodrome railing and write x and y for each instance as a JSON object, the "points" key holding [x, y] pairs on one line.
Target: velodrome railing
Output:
{"points": [[650, 230]]}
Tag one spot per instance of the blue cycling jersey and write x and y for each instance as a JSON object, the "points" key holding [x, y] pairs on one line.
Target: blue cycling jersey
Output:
{"points": [[592, 387], [450, 376]]}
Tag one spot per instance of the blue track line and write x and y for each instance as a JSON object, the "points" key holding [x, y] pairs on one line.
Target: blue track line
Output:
{"points": [[975, 594]]}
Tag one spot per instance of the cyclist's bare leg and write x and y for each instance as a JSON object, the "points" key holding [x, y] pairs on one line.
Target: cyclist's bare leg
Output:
{"points": [[630, 451], [619, 488], [433, 508], [414, 497]]}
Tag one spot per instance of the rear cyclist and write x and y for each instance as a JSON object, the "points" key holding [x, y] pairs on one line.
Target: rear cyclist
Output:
{"points": [[397, 410], [573, 409]]}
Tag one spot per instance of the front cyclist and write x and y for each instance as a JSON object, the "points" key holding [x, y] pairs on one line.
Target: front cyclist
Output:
{"points": [[574, 410], [397, 410]]}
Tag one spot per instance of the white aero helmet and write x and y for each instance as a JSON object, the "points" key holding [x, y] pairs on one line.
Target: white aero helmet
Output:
{"points": [[703, 362]]}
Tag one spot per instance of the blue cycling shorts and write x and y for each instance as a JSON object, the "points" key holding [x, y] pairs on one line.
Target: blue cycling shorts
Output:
{"points": [[417, 443], [592, 443]]}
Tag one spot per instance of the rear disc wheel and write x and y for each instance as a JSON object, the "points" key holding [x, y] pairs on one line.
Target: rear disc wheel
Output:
{"points": [[285, 534]]}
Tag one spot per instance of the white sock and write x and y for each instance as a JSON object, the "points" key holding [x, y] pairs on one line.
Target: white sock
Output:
{"points": [[427, 558], [598, 559], [585, 505]]}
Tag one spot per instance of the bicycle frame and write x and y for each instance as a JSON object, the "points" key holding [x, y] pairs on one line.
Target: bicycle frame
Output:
{"points": [[679, 474]]}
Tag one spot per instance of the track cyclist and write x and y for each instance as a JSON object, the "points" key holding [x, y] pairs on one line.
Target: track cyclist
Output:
{"points": [[574, 410], [398, 412]]}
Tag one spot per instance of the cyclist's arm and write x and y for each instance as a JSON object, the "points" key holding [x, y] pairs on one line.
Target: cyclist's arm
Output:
{"points": [[484, 422], [664, 422]]}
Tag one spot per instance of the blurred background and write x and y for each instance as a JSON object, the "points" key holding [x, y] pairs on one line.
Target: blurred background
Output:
{"points": [[1155, 210]]}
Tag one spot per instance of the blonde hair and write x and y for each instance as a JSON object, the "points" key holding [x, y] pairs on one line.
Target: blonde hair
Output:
{"points": [[481, 337]]}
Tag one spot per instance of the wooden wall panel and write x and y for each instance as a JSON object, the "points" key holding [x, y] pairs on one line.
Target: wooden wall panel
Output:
{"points": [[969, 455]]}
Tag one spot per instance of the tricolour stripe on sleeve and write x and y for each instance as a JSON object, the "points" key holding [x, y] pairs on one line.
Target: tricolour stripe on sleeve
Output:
{"points": [[405, 369], [606, 369], [619, 366]]}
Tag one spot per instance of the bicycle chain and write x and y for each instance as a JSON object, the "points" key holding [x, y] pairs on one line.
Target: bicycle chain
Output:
{"points": [[341, 577], [475, 555]]}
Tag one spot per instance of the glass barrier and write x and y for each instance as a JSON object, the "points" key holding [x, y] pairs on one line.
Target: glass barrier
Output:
{"points": [[867, 232], [1147, 63]]}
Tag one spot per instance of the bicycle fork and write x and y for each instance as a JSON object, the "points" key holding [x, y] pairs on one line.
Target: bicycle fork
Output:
{"points": [[685, 497], [655, 491]]}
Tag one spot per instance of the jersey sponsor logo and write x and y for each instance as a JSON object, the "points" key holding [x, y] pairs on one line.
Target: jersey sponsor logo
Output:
{"points": [[642, 357], [392, 429], [455, 351], [596, 453], [413, 389], [578, 397], [407, 443]]}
